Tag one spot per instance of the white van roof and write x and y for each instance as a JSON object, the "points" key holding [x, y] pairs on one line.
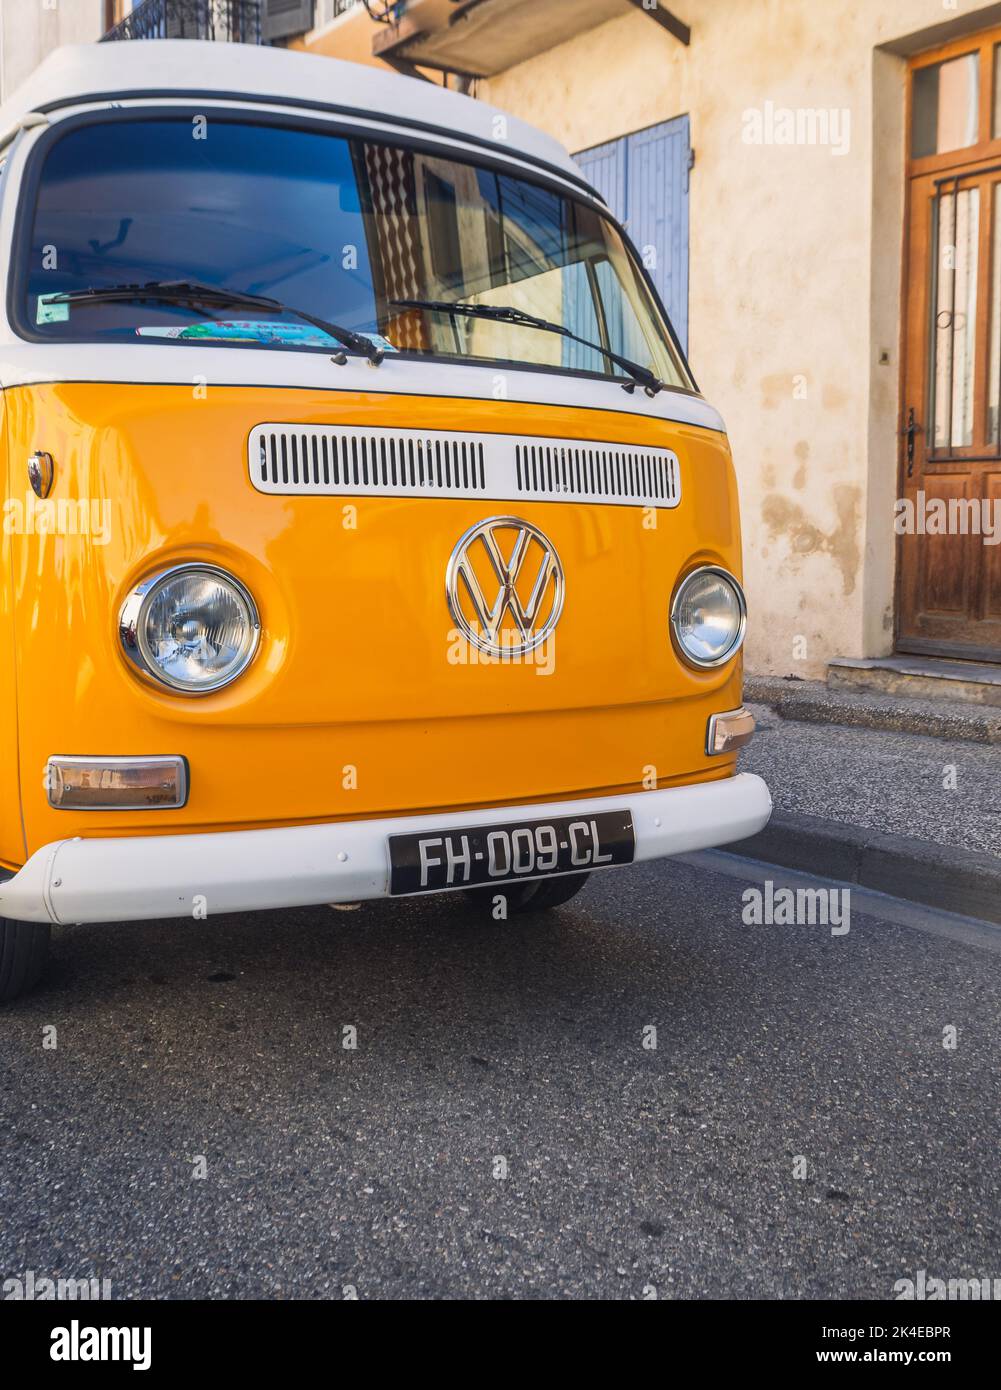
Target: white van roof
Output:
{"points": [[82, 73]]}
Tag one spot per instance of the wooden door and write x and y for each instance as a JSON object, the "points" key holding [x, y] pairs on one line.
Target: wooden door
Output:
{"points": [[949, 579]]}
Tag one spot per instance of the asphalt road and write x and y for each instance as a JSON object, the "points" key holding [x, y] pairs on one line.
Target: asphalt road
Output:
{"points": [[628, 1169]]}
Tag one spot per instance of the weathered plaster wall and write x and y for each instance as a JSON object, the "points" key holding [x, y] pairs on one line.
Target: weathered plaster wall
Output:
{"points": [[31, 29]]}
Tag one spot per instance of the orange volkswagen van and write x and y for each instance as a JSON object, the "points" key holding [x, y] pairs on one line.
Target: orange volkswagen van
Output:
{"points": [[365, 532]]}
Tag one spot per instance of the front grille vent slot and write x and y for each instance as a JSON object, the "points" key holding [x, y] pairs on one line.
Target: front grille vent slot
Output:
{"points": [[303, 460], [597, 473], [348, 461]]}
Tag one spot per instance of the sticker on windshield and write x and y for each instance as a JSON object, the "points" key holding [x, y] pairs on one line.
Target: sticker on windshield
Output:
{"points": [[255, 331], [47, 312], [243, 330], [378, 341]]}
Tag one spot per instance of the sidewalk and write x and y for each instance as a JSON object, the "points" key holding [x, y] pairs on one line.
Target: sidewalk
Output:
{"points": [[916, 815]]}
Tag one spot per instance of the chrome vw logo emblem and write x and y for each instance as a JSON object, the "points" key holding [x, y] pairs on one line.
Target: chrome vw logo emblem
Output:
{"points": [[528, 600]]}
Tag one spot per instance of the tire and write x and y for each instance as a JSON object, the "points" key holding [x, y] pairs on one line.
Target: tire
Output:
{"points": [[24, 948], [541, 895]]}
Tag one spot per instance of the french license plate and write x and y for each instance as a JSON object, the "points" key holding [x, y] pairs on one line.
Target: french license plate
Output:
{"points": [[482, 854]]}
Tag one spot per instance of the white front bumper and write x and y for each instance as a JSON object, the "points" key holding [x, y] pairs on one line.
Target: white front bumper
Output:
{"points": [[140, 878]]}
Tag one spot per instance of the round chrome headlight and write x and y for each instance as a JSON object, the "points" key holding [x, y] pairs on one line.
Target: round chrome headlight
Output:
{"points": [[193, 628], [708, 617]]}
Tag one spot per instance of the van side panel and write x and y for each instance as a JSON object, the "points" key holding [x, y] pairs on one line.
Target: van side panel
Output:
{"points": [[12, 853]]}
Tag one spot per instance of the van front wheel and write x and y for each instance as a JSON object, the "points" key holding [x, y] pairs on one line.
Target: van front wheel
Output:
{"points": [[24, 948], [537, 896]]}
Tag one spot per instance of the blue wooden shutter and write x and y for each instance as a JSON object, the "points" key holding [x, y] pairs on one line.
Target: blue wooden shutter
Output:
{"points": [[605, 167], [644, 180], [657, 210]]}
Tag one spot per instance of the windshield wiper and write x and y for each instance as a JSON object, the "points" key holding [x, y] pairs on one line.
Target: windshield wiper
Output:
{"points": [[190, 292], [504, 313]]}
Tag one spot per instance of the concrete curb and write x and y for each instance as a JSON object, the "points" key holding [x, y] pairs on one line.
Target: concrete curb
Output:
{"points": [[811, 702], [921, 871]]}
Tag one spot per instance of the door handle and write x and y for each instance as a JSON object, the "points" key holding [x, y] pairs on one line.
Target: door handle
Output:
{"points": [[910, 433]]}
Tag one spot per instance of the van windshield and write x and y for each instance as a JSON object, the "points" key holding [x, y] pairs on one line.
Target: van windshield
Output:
{"points": [[347, 229]]}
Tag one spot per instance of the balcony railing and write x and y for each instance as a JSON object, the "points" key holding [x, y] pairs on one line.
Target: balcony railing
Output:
{"points": [[230, 21]]}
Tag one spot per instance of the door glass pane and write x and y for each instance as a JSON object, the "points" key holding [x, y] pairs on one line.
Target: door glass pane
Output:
{"points": [[945, 106], [955, 318], [996, 117], [994, 384]]}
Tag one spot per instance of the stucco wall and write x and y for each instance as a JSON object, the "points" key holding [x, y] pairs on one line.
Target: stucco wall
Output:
{"points": [[795, 276], [31, 29]]}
